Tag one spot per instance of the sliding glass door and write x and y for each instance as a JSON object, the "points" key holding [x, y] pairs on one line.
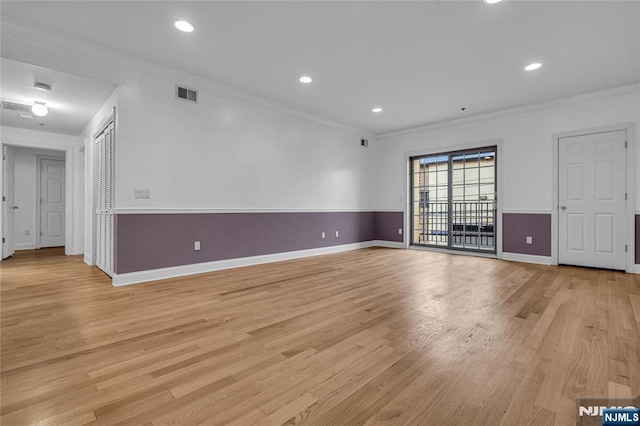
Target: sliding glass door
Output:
{"points": [[453, 200]]}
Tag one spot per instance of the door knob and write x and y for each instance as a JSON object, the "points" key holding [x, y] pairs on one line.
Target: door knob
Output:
{"points": [[563, 207], [15, 207]]}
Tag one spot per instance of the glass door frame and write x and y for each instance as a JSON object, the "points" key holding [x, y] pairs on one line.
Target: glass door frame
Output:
{"points": [[412, 200]]}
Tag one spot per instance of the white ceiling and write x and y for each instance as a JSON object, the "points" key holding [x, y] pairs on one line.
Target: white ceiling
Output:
{"points": [[72, 102], [420, 61]]}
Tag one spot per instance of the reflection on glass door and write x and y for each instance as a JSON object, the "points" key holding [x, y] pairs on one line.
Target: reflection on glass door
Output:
{"points": [[431, 200], [453, 200]]}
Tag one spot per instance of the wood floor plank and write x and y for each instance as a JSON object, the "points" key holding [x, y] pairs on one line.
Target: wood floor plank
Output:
{"points": [[373, 336]]}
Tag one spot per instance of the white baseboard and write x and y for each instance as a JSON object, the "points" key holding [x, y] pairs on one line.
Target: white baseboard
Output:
{"points": [[527, 258], [24, 246], [74, 251], [454, 252], [87, 260], [199, 268], [388, 244], [636, 269]]}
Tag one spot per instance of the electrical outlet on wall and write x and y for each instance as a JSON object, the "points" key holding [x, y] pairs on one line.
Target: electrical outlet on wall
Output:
{"points": [[323, 235], [399, 231], [27, 232], [529, 240], [196, 245], [337, 234]]}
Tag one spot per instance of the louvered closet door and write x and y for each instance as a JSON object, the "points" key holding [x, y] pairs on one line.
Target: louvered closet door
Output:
{"points": [[105, 158], [109, 186], [99, 202]]}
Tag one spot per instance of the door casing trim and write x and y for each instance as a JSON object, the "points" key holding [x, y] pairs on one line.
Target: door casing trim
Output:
{"points": [[406, 199], [630, 182]]}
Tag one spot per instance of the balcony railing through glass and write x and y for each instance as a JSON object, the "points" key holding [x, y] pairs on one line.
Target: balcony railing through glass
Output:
{"points": [[472, 224]]}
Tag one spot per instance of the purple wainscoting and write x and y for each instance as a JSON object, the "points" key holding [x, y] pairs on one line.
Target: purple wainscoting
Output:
{"points": [[517, 226], [637, 232], [152, 241], [387, 225]]}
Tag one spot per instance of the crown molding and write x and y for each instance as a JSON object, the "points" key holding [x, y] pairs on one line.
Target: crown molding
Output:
{"points": [[600, 94], [127, 63]]}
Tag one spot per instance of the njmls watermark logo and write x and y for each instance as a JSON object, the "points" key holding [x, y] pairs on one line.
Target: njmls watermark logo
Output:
{"points": [[602, 411]]}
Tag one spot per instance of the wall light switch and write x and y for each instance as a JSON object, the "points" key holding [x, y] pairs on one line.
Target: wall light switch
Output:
{"points": [[529, 240], [196, 245], [337, 234], [399, 231], [142, 194], [323, 235]]}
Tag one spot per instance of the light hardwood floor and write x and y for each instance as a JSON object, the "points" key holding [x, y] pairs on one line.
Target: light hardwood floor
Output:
{"points": [[374, 336]]}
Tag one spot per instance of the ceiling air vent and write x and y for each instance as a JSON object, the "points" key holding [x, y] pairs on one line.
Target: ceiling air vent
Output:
{"points": [[186, 94], [14, 106]]}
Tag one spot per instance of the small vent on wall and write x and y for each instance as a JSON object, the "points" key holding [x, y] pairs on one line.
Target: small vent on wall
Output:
{"points": [[186, 94], [14, 106]]}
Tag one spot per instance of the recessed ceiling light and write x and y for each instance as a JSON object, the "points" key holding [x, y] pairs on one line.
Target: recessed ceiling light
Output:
{"points": [[376, 109], [305, 79], [533, 66], [42, 86], [184, 26], [40, 109], [492, 1]]}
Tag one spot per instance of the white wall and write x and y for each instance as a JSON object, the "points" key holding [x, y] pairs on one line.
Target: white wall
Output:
{"points": [[223, 154], [229, 154], [233, 150], [26, 176], [72, 146], [526, 140]]}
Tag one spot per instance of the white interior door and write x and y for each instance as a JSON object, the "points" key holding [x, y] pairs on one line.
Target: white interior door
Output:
{"points": [[51, 203], [104, 184], [8, 202], [592, 225]]}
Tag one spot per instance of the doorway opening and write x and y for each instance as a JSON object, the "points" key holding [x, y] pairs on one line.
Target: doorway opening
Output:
{"points": [[453, 200], [34, 199]]}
